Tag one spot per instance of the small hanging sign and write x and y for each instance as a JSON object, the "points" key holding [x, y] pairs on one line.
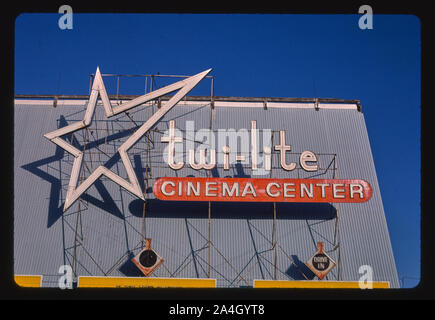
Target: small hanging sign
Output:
{"points": [[147, 260], [320, 263]]}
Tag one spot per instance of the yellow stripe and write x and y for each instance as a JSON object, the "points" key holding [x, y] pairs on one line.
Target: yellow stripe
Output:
{"points": [[138, 282], [317, 284], [28, 281]]}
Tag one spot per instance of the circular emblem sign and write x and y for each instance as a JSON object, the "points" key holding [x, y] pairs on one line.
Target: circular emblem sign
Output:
{"points": [[148, 258], [320, 261]]}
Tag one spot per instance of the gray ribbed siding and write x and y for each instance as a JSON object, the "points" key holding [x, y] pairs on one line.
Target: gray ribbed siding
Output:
{"points": [[242, 241]]}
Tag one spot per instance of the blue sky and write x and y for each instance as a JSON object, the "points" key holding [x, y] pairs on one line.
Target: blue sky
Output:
{"points": [[260, 55]]}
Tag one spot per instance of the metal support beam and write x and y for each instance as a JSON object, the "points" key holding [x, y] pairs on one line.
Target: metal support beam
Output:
{"points": [[199, 98]]}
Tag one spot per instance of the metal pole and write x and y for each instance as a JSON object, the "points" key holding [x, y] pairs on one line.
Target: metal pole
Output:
{"points": [[212, 93], [209, 234], [146, 188], [90, 153], [117, 88], [274, 237], [337, 225], [143, 222], [90, 84], [275, 259], [209, 203], [79, 211]]}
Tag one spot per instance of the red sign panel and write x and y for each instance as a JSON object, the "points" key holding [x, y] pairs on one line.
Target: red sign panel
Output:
{"points": [[262, 190]]}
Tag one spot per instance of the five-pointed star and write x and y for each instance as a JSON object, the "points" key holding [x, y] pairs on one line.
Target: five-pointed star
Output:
{"points": [[98, 89]]}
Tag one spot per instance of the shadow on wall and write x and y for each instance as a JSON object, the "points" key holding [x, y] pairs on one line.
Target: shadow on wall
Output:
{"points": [[55, 209], [298, 270], [55, 206], [158, 208], [129, 269], [232, 210]]}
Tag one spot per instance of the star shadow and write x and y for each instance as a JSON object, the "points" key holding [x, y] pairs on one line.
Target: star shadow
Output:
{"points": [[54, 210], [55, 206], [240, 172]]}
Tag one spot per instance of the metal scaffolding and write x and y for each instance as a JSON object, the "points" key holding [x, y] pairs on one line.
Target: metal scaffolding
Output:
{"points": [[101, 139]]}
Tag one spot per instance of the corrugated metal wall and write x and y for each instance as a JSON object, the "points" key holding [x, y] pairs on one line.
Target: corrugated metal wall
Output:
{"points": [[110, 223]]}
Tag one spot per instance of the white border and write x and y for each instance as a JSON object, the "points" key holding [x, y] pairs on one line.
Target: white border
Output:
{"points": [[217, 104]]}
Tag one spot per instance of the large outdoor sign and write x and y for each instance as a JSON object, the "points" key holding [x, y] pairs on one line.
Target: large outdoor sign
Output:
{"points": [[261, 190], [207, 156]]}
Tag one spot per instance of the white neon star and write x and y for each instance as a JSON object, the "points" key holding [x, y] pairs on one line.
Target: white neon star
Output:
{"points": [[98, 89]]}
